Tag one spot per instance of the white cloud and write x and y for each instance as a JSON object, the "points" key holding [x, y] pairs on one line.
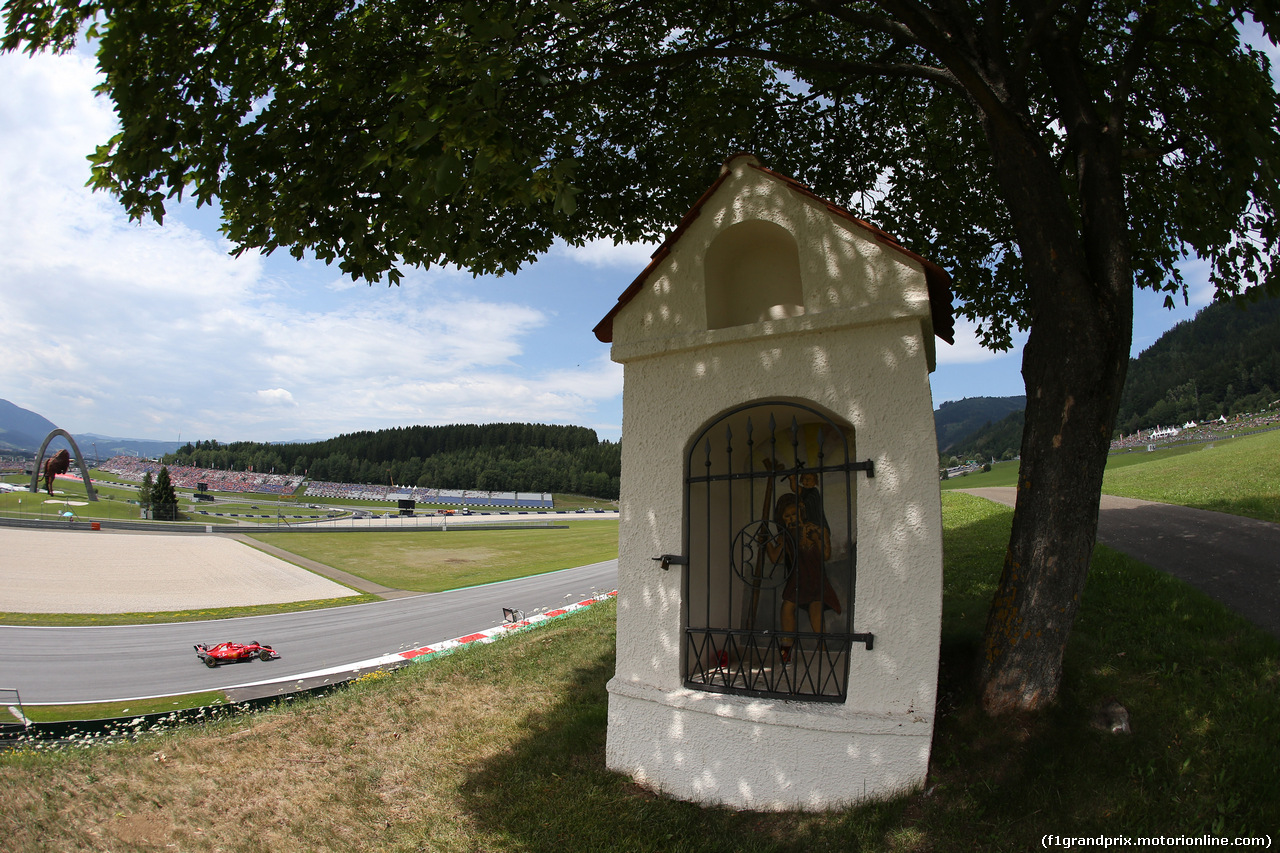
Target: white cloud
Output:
{"points": [[604, 253], [1200, 292], [968, 348], [558, 396], [597, 379], [276, 397], [144, 331]]}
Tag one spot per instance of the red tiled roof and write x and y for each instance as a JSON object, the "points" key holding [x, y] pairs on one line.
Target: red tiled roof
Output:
{"points": [[936, 278]]}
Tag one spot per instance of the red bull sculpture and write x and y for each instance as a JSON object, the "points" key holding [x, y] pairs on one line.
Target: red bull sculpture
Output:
{"points": [[58, 463]]}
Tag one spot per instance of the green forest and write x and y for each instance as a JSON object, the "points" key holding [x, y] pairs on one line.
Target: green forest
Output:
{"points": [[956, 421], [999, 440], [1224, 362], [511, 457]]}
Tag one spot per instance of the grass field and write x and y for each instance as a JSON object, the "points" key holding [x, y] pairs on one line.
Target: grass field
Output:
{"points": [[434, 561], [501, 747], [113, 502], [1239, 476], [68, 620], [120, 710]]}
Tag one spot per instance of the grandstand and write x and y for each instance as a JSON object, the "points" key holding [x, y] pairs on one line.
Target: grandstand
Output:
{"points": [[448, 497], [185, 477], [182, 476], [1190, 432]]}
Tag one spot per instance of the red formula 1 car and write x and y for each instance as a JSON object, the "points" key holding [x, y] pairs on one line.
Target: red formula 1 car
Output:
{"points": [[234, 653]]}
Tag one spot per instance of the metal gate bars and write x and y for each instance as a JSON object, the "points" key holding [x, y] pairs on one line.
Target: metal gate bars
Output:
{"points": [[770, 539]]}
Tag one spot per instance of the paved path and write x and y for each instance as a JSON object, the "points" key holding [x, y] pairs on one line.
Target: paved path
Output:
{"points": [[1236, 560]]}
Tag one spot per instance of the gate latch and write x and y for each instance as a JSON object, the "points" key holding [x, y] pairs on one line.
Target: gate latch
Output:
{"points": [[666, 561]]}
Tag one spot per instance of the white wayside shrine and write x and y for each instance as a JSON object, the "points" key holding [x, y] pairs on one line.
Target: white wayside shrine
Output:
{"points": [[780, 553]]}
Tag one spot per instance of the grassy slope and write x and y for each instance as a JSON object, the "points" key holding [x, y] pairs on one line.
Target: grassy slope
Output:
{"points": [[1200, 683], [1238, 476], [502, 747]]}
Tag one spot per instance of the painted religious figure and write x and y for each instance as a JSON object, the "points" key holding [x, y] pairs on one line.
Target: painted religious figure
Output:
{"points": [[803, 543]]}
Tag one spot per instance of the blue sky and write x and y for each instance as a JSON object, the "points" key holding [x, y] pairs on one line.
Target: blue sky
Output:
{"points": [[142, 331]]}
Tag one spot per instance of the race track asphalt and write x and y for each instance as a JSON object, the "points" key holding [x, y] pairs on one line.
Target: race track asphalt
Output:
{"points": [[1235, 560], [67, 665]]}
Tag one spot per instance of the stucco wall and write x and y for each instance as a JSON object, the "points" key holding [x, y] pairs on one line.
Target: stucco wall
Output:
{"points": [[858, 352], [876, 382], [847, 277]]}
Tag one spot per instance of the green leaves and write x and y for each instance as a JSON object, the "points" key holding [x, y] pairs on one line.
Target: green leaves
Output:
{"points": [[35, 25], [394, 132], [448, 175]]}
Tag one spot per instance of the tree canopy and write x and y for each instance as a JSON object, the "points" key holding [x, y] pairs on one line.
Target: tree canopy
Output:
{"points": [[144, 493], [164, 500], [510, 457], [1049, 155], [403, 132]]}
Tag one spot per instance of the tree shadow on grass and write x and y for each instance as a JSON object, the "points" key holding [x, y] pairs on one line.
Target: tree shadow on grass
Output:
{"points": [[551, 791], [1201, 686], [1198, 683]]}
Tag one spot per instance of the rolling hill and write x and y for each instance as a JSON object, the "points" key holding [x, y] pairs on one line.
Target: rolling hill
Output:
{"points": [[22, 430], [957, 420], [1225, 361]]}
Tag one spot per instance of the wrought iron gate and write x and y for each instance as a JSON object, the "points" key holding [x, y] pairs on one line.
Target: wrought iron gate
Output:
{"points": [[770, 538]]}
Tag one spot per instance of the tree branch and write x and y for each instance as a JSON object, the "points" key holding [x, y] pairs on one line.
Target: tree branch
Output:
{"points": [[1038, 25], [1130, 64], [1079, 19], [839, 10], [933, 33], [809, 63]]}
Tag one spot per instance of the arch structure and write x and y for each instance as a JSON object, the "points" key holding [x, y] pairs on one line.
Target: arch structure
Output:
{"points": [[771, 554], [75, 448], [752, 275]]}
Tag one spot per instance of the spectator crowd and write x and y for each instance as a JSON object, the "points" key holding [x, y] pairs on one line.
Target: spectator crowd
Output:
{"points": [[186, 477], [1192, 431], [459, 497]]}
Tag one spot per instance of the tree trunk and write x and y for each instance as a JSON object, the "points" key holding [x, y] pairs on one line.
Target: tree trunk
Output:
{"points": [[1074, 363], [1072, 396]]}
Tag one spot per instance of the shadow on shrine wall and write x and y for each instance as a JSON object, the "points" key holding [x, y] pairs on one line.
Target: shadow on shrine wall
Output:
{"points": [[884, 540]]}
